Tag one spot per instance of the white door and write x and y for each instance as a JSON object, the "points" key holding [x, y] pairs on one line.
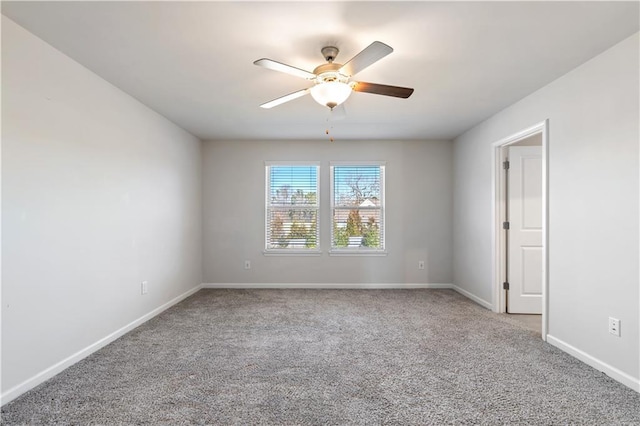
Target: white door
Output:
{"points": [[524, 198]]}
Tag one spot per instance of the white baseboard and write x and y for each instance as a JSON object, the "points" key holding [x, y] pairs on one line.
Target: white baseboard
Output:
{"points": [[329, 285], [473, 297], [48, 373], [463, 292], [614, 373]]}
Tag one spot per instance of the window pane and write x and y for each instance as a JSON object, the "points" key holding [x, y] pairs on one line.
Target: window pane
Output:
{"points": [[356, 186], [294, 229], [292, 207], [358, 211], [293, 185], [357, 228]]}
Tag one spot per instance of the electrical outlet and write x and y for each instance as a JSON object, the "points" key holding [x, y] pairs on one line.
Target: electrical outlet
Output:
{"points": [[614, 326], [144, 287], [421, 264], [247, 264]]}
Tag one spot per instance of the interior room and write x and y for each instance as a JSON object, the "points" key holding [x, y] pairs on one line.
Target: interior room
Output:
{"points": [[320, 212]]}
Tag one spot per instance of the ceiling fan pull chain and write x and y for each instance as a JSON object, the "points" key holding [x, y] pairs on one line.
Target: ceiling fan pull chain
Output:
{"points": [[330, 127]]}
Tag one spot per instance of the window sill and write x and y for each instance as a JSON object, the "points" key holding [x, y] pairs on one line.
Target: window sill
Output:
{"points": [[292, 253], [356, 252]]}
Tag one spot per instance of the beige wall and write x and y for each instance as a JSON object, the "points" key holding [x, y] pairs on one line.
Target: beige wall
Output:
{"points": [[593, 182], [98, 194], [418, 213]]}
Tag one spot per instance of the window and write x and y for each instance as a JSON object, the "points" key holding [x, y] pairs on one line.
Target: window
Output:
{"points": [[357, 204], [292, 208]]}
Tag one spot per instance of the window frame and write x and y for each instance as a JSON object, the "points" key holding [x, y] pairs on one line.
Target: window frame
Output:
{"points": [[358, 251], [316, 251]]}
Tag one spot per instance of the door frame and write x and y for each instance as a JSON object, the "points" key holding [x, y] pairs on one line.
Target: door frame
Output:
{"points": [[498, 216]]}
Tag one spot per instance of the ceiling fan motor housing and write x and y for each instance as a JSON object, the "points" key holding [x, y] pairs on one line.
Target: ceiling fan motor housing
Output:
{"points": [[329, 72]]}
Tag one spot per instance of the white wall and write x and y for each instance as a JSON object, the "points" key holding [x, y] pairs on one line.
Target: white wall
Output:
{"points": [[98, 194], [593, 205], [418, 213]]}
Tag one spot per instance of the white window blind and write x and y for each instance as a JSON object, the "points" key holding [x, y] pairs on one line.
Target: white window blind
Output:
{"points": [[357, 196], [292, 207]]}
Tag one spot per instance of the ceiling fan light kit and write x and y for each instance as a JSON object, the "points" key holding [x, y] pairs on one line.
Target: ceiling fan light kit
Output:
{"points": [[332, 86], [331, 94]]}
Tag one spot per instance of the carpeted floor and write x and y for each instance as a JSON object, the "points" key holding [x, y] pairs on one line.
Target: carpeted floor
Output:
{"points": [[328, 357]]}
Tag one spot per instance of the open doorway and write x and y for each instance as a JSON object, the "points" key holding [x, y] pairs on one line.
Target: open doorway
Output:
{"points": [[520, 219]]}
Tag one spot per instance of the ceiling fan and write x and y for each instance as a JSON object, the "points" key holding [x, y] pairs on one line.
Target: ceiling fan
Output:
{"points": [[331, 80]]}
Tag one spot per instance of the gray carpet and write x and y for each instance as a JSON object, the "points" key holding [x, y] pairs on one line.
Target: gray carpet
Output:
{"points": [[328, 357]]}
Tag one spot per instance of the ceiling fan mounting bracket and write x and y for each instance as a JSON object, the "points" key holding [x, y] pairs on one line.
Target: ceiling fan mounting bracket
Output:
{"points": [[329, 53]]}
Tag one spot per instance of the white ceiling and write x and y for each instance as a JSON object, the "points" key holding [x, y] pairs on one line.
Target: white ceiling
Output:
{"points": [[193, 61]]}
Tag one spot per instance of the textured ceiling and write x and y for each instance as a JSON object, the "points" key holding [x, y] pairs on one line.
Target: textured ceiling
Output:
{"points": [[193, 61]]}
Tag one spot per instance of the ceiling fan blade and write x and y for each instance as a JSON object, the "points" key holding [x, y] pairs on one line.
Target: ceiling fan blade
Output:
{"points": [[285, 98], [382, 89], [371, 54], [278, 66]]}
